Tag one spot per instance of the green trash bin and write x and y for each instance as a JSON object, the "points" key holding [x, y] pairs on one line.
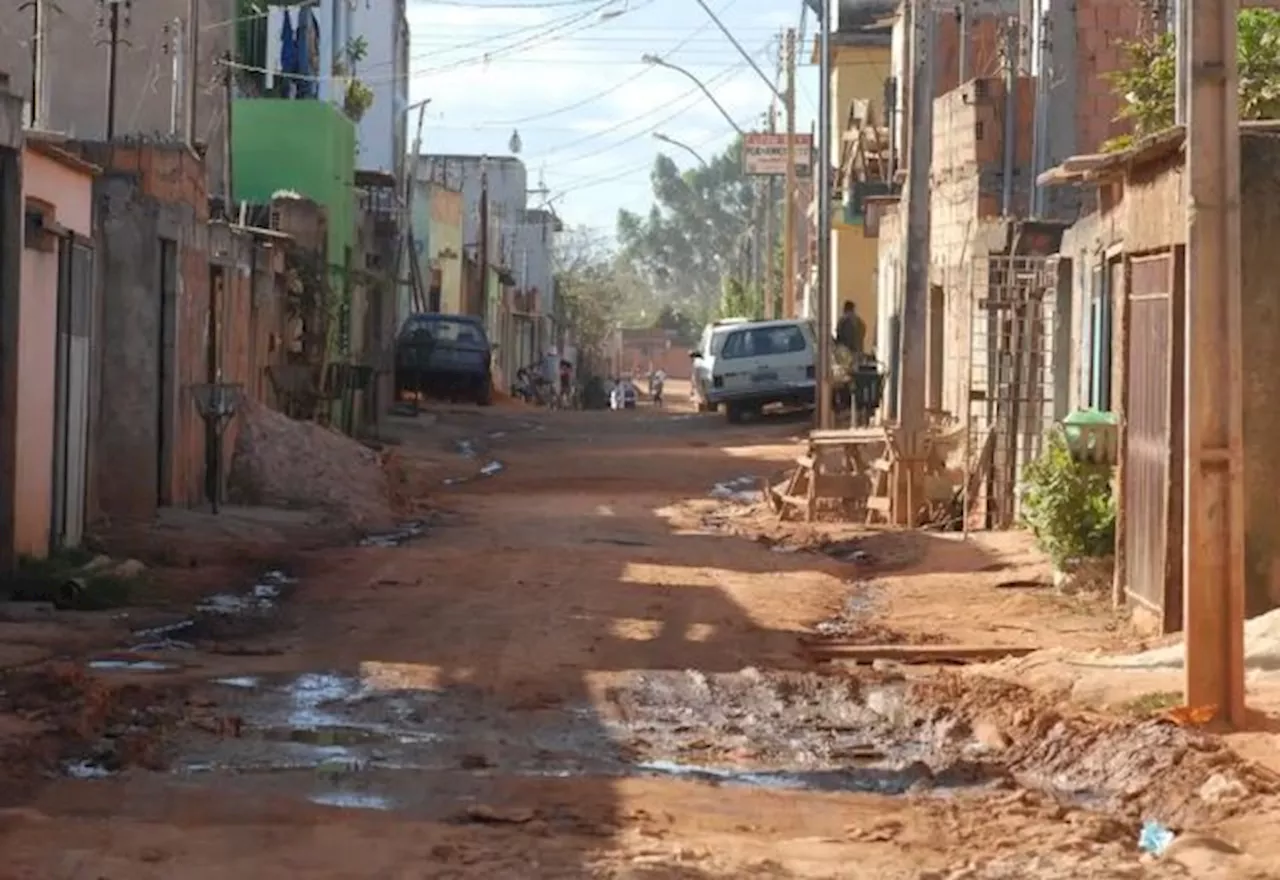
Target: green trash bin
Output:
{"points": [[1093, 437]]}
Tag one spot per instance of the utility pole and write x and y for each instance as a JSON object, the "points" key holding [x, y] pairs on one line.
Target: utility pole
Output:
{"points": [[1213, 503], [962, 28], [1010, 113], [483, 257], [38, 114], [193, 68], [770, 232], [228, 93], [177, 73], [789, 270], [823, 184], [113, 45], [913, 365]]}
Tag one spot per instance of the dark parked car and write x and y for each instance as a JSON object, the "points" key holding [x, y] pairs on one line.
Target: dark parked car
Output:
{"points": [[444, 356]]}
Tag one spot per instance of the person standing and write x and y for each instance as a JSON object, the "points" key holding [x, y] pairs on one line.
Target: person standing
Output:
{"points": [[851, 332]]}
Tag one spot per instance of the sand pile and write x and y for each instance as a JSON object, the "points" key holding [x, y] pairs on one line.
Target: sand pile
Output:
{"points": [[281, 462]]}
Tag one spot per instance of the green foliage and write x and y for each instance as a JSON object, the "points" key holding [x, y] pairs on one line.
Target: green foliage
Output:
{"points": [[738, 300], [357, 97], [1147, 83], [684, 325], [691, 238], [1068, 506], [592, 289]]}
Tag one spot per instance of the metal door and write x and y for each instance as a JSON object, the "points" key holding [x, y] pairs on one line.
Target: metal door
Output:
{"points": [[71, 393], [1152, 387]]}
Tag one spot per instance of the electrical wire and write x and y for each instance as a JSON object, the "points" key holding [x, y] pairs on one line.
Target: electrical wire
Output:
{"points": [[727, 74], [617, 87], [544, 29], [549, 4], [590, 182]]}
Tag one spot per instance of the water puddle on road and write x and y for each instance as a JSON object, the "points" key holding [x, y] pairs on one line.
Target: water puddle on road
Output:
{"points": [[397, 537], [739, 490], [131, 666], [364, 741]]}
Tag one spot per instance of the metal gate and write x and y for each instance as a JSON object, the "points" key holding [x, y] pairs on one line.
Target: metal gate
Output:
{"points": [[1010, 381], [1153, 387], [71, 393]]}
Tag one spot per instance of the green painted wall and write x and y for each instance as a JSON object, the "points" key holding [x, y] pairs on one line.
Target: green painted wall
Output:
{"points": [[305, 146]]}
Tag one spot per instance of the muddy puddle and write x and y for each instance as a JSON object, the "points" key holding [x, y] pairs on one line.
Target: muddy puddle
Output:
{"points": [[368, 742], [740, 490]]}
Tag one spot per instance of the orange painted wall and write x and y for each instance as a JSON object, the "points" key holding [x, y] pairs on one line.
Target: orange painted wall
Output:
{"points": [[70, 190]]}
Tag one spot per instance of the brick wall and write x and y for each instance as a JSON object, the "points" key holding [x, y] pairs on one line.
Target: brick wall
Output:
{"points": [[149, 442]]}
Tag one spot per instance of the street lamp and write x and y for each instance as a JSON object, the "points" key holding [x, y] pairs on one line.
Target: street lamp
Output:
{"points": [[657, 135], [611, 14], [661, 62]]}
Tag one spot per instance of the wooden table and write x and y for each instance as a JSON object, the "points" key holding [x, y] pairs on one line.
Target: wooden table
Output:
{"points": [[851, 465]]}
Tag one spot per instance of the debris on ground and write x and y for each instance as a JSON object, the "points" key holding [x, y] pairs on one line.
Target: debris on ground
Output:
{"points": [[283, 462]]}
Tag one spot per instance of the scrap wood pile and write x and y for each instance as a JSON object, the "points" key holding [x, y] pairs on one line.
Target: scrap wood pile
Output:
{"points": [[852, 472]]}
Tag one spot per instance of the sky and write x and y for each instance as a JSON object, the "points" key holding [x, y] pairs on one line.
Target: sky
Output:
{"points": [[567, 76]]}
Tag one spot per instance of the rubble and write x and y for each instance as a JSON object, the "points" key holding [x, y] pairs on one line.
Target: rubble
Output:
{"points": [[282, 462]]}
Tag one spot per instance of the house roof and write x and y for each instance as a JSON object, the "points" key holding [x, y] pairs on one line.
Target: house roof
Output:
{"points": [[1095, 167], [49, 144]]}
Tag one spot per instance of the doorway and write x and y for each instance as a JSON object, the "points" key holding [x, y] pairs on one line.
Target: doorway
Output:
{"points": [[71, 392], [165, 373], [217, 278]]}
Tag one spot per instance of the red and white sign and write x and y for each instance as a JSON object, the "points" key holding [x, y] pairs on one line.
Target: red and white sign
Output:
{"points": [[765, 153]]}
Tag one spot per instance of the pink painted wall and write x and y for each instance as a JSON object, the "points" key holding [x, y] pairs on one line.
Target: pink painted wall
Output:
{"points": [[71, 191]]}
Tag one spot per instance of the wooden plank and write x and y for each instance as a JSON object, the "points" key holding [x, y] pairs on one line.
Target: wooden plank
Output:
{"points": [[916, 653], [804, 461]]}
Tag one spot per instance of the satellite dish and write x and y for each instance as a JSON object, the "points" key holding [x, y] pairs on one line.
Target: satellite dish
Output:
{"points": [[514, 143]]}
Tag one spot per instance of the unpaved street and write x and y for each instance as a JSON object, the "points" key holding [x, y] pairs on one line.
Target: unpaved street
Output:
{"points": [[582, 664]]}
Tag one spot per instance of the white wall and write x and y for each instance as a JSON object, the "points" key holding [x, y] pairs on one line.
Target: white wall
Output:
{"points": [[380, 137]]}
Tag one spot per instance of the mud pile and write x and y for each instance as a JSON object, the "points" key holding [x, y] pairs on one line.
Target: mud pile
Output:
{"points": [[281, 462]]}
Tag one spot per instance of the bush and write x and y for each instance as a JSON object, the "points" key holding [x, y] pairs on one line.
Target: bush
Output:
{"points": [[1067, 505]]}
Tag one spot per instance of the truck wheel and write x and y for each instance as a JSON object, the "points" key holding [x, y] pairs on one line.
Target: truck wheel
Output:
{"points": [[734, 413]]}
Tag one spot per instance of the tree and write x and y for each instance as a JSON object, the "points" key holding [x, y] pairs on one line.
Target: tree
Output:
{"points": [[593, 289], [1147, 84], [691, 237]]}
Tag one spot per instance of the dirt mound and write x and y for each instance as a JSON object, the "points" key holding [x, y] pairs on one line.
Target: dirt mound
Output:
{"points": [[57, 717], [282, 462], [1134, 769]]}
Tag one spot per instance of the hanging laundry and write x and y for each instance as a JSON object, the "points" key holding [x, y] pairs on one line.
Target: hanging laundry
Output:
{"points": [[288, 57]]}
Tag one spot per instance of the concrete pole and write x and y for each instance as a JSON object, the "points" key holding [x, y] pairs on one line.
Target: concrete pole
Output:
{"points": [[176, 40], [770, 232], [822, 181], [1010, 114], [789, 268], [193, 69], [913, 363], [1213, 504]]}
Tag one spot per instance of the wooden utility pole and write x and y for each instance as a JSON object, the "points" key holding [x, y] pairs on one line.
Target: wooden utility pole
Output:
{"points": [[913, 364], [789, 268], [1213, 504]]}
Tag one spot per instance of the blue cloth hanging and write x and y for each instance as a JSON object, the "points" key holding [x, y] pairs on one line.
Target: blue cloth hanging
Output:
{"points": [[288, 56], [307, 51]]}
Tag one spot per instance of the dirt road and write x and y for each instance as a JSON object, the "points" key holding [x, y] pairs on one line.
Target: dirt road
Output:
{"points": [[581, 664]]}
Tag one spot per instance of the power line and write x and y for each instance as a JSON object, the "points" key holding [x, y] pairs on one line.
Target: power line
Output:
{"points": [[727, 74], [620, 85]]}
